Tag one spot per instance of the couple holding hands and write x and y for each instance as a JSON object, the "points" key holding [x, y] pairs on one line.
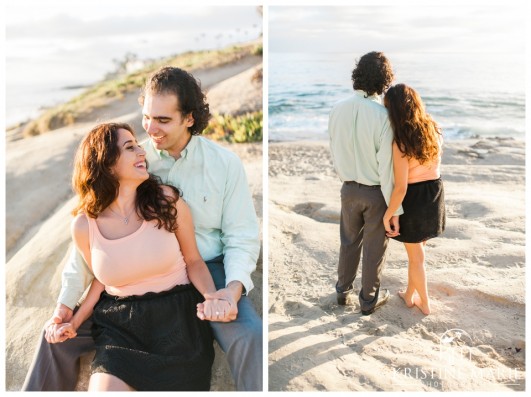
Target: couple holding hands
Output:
{"points": [[154, 305], [388, 157]]}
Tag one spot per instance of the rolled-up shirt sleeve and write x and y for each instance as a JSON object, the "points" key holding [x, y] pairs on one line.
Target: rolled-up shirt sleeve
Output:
{"points": [[75, 279], [239, 228], [384, 157]]}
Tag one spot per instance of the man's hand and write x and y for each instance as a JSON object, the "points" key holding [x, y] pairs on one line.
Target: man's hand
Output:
{"points": [[57, 333], [227, 297], [62, 314], [214, 309]]}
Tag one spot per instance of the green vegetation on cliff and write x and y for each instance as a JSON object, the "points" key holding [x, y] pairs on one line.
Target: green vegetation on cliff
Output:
{"points": [[107, 91], [236, 129]]}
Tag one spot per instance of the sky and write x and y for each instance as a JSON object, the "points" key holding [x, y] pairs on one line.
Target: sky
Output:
{"points": [[56, 44], [148, 26], [37, 10], [55, 20], [405, 28]]}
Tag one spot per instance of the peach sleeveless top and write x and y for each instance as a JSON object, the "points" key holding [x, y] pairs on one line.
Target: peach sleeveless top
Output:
{"points": [[427, 171], [148, 260], [423, 172]]}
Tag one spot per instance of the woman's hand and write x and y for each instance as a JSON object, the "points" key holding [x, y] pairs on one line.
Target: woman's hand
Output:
{"points": [[392, 225], [217, 309], [57, 333]]}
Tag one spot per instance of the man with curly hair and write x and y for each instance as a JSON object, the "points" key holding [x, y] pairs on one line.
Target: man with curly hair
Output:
{"points": [[361, 144], [215, 187]]}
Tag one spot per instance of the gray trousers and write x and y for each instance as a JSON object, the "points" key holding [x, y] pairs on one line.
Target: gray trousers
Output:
{"points": [[55, 367], [362, 229]]}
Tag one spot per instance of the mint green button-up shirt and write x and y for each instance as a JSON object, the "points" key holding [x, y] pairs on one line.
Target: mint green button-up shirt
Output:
{"points": [[361, 142], [214, 185]]}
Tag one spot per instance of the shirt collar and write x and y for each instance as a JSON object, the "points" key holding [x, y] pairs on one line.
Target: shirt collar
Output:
{"points": [[373, 97], [189, 148]]}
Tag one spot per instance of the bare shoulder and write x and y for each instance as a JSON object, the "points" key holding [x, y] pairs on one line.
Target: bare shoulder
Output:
{"points": [[397, 151], [81, 235], [79, 225], [182, 206]]}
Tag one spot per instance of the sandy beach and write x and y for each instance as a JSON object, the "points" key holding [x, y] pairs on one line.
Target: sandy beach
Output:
{"points": [[39, 200], [474, 340]]}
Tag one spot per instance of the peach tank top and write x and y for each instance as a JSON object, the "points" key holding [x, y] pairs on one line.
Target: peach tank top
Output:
{"points": [[427, 171], [148, 260], [423, 172]]}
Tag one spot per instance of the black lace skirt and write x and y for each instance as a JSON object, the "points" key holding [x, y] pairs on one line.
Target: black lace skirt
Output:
{"points": [[424, 212], [154, 342]]}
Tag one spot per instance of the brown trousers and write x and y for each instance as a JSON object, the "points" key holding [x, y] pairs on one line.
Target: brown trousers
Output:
{"points": [[362, 229]]}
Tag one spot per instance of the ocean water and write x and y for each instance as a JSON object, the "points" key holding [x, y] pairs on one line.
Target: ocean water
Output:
{"points": [[469, 95], [49, 62]]}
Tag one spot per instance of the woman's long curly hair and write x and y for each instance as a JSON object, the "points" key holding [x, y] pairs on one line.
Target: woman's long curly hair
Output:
{"points": [[97, 187], [373, 73], [415, 132]]}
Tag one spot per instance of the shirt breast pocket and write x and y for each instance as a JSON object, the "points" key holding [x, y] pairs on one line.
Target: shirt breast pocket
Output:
{"points": [[206, 208]]}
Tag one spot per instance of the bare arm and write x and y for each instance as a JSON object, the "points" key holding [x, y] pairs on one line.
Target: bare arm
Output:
{"points": [[60, 332], [215, 308], [75, 280], [87, 307], [400, 170], [197, 269]]}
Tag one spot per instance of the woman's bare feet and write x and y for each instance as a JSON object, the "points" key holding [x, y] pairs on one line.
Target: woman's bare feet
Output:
{"points": [[408, 299], [424, 307]]}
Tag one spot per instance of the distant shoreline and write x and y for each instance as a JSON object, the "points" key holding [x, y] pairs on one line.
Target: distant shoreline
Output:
{"points": [[91, 98], [452, 139]]}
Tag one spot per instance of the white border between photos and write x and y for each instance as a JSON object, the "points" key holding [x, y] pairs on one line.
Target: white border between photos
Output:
{"points": [[265, 162]]}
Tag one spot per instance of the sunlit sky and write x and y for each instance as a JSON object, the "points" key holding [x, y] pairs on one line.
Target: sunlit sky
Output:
{"points": [[18, 11], [405, 28], [96, 18], [54, 44]]}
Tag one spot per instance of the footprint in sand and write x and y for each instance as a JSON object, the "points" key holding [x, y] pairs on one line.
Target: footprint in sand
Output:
{"points": [[317, 211], [466, 209], [444, 289]]}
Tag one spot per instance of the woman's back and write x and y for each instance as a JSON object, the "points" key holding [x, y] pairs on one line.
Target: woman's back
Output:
{"points": [[423, 172]]}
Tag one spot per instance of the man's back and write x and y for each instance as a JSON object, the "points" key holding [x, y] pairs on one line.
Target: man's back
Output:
{"points": [[360, 139], [361, 142]]}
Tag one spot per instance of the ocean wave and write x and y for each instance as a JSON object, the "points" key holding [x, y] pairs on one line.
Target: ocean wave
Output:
{"points": [[465, 103]]}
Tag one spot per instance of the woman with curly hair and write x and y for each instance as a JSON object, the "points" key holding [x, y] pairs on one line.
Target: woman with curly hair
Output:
{"points": [[137, 237], [417, 150]]}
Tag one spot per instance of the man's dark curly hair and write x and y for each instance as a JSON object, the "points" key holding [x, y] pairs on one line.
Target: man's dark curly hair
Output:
{"points": [[373, 73], [178, 82]]}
